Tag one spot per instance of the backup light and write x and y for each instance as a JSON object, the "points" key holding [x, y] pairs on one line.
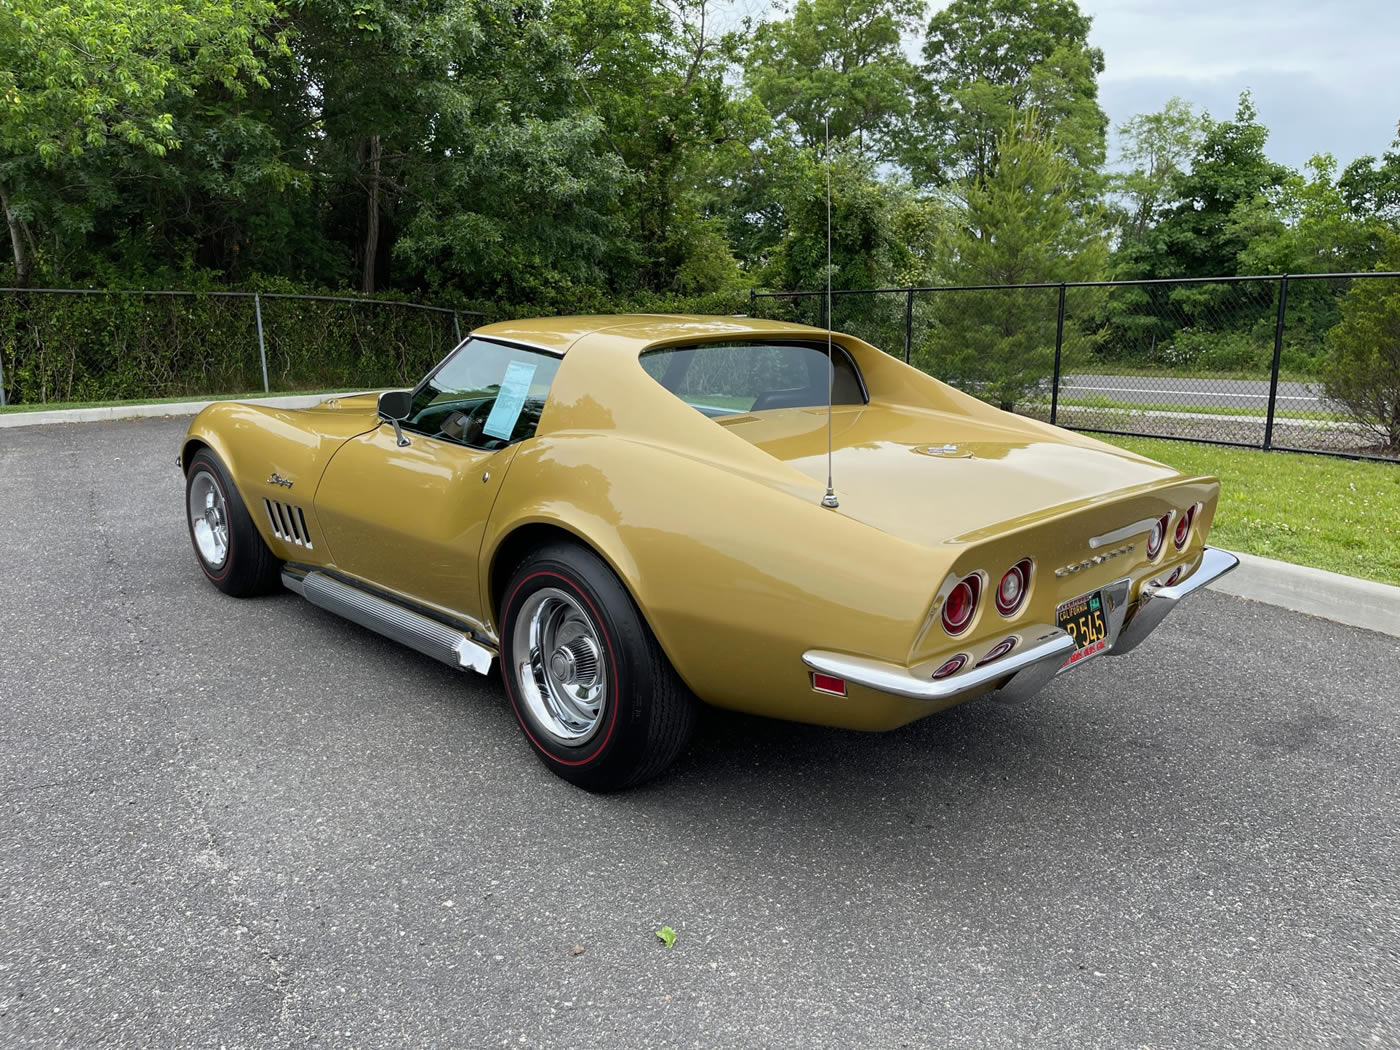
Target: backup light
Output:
{"points": [[1011, 593]]}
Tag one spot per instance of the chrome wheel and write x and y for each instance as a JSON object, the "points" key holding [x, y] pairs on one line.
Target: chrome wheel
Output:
{"points": [[559, 666], [209, 519]]}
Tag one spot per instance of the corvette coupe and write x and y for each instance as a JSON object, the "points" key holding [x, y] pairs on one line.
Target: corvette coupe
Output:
{"points": [[632, 514]]}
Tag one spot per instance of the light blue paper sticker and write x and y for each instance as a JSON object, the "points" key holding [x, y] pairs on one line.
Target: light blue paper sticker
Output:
{"points": [[510, 402]]}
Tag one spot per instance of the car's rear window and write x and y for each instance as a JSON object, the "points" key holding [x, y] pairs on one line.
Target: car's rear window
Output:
{"points": [[753, 376]]}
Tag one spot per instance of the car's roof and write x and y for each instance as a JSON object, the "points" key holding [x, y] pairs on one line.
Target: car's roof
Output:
{"points": [[559, 333]]}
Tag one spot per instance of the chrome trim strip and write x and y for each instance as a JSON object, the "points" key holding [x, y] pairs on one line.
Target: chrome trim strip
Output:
{"points": [[1049, 647], [402, 625], [1156, 601], [1135, 529]]}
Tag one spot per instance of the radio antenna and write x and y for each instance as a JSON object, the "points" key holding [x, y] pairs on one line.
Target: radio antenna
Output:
{"points": [[829, 500]]}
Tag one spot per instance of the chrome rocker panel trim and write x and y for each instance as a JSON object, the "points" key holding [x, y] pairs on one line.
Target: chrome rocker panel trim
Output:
{"points": [[427, 636], [1156, 601], [1038, 660]]}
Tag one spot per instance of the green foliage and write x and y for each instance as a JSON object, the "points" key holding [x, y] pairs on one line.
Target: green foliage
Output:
{"points": [[667, 936], [1157, 146], [1363, 367], [987, 63], [1020, 226], [842, 60]]}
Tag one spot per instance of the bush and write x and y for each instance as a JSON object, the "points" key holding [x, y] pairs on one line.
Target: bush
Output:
{"points": [[1362, 371], [99, 347]]}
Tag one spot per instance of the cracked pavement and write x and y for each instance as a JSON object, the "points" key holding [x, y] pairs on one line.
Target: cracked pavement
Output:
{"points": [[249, 824]]}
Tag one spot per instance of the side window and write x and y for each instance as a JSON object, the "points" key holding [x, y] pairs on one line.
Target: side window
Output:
{"points": [[485, 395], [723, 378]]}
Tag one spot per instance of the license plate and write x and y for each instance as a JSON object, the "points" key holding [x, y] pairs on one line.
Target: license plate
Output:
{"points": [[1086, 620]]}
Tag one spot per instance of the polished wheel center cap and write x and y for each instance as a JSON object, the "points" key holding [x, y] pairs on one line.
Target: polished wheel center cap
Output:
{"points": [[562, 666]]}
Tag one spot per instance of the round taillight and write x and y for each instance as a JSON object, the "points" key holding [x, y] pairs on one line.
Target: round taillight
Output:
{"points": [[961, 604], [997, 651], [1158, 534], [952, 666], [1011, 592], [1183, 527]]}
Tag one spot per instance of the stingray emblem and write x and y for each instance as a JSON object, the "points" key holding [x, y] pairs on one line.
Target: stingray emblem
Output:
{"points": [[278, 479], [1097, 559]]}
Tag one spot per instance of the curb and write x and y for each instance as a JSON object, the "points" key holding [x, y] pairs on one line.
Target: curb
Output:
{"points": [[1317, 592], [107, 413]]}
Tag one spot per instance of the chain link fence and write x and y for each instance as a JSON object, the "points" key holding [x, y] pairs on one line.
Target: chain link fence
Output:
{"points": [[62, 345], [1305, 363]]}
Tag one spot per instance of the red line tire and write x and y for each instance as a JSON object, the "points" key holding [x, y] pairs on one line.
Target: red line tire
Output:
{"points": [[230, 551], [593, 691]]}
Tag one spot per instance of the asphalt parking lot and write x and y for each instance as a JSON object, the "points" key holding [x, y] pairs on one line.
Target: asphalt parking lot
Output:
{"points": [[250, 824]]}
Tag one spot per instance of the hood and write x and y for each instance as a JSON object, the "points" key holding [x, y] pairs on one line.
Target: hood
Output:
{"points": [[932, 476]]}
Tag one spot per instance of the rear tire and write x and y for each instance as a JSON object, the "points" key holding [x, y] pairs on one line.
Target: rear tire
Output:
{"points": [[226, 544], [597, 698]]}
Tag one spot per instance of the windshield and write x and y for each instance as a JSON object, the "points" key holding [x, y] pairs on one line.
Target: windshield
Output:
{"points": [[753, 376]]}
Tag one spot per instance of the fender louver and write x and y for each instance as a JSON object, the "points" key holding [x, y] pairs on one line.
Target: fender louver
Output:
{"points": [[288, 523]]}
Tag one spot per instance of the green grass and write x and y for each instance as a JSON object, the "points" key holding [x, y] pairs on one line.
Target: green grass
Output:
{"points": [[50, 406], [1337, 514]]}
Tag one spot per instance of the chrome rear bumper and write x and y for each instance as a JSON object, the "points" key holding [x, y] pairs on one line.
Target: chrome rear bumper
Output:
{"points": [[1156, 601], [1041, 654]]}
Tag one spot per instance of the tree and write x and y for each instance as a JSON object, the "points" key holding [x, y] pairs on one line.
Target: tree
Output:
{"points": [[1022, 226], [837, 59], [1363, 368], [988, 61], [1197, 236], [1158, 147], [96, 77], [1372, 189]]}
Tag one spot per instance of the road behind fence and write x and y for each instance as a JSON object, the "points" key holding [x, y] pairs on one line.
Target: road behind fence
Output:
{"points": [[96, 345], [1229, 361]]}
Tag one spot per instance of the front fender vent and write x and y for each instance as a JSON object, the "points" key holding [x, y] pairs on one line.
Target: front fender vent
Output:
{"points": [[288, 523]]}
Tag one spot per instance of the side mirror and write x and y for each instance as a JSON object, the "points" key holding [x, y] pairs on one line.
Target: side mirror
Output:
{"points": [[394, 407]]}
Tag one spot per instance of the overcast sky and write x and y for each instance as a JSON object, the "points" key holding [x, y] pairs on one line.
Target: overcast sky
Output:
{"points": [[1325, 75]]}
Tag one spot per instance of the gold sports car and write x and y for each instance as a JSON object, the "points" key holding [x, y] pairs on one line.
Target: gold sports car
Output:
{"points": [[633, 512]]}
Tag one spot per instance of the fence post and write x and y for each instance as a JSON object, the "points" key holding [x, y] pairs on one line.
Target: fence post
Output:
{"points": [[262, 347], [908, 324], [1278, 354], [1059, 343], [753, 302], [457, 325], [2, 378]]}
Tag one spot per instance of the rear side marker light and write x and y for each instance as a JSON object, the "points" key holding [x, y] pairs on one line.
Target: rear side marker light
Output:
{"points": [[997, 651], [828, 683], [952, 666], [961, 604], [1183, 527], [1011, 592], [1158, 534]]}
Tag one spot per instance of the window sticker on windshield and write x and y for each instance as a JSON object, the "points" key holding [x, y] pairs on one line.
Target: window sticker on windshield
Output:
{"points": [[510, 402]]}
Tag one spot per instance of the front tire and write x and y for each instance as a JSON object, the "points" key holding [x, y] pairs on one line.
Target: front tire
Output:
{"points": [[226, 543], [597, 698]]}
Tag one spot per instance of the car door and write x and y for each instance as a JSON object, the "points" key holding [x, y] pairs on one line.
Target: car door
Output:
{"points": [[410, 517]]}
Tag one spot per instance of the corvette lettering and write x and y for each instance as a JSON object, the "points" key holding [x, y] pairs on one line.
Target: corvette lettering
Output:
{"points": [[1097, 559]]}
